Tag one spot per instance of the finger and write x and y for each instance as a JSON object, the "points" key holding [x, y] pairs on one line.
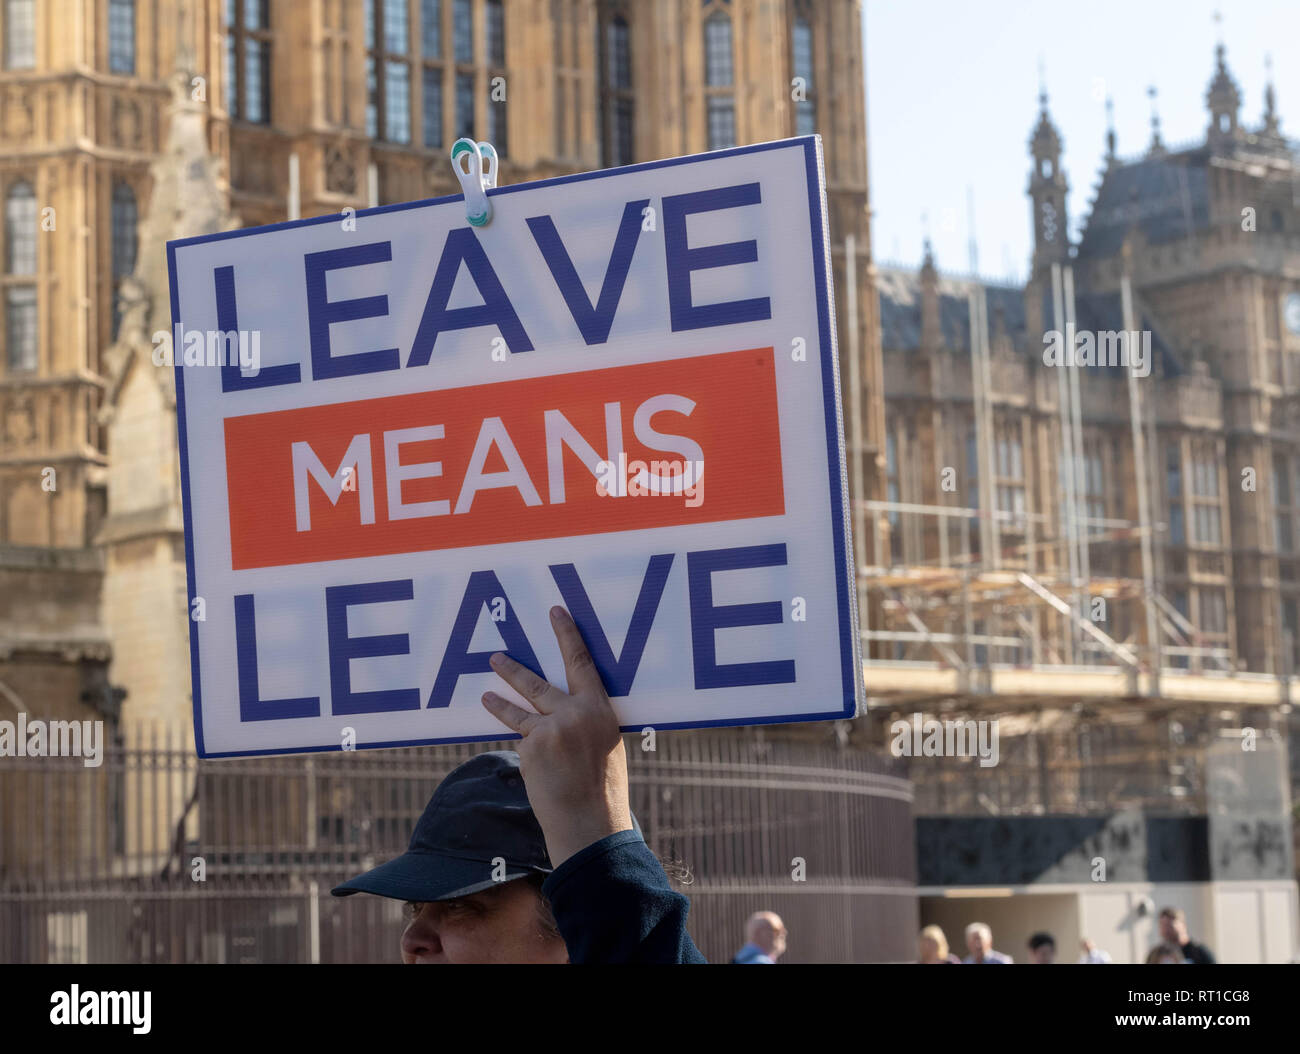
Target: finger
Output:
{"points": [[579, 667], [536, 690], [513, 717]]}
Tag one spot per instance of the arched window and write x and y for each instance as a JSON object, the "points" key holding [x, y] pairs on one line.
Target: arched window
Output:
{"points": [[248, 60], [718, 80], [121, 36], [616, 98], [20, 321], [498, 132], [388, 71], [123, 216], [805, 104], [431, 81], [496, 33], [20, 230], [462, 35], [20, 34]]}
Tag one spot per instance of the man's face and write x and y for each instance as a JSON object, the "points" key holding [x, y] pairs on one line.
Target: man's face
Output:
{"points": [[1173, 930], [978, 946], [1044, 954], [778, 942], [499, 925]]}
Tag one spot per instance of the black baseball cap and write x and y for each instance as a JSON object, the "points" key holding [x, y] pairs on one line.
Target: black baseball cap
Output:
{"points": [[479, 813]]}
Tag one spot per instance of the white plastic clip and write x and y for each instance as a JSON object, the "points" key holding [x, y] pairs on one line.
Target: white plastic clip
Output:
{"points": [[475, 165], [489, 155]]}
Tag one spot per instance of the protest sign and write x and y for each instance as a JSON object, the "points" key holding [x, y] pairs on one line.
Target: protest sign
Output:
{"points": [[620, 395]]}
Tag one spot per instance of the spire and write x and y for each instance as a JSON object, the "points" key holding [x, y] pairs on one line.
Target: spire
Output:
{"points": [[1223, 100], [1270, 101], [931, 331], [1046, 140], [1157, 146], [189, 196], [1047, 188], [1111, 159]]}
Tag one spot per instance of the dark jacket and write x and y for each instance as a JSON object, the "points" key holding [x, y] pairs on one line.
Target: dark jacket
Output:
{"points": [[613, 904]]}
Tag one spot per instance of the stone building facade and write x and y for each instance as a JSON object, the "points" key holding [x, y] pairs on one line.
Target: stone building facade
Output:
{"points": [[1208, 238], [1144, 700], [129, 122]]}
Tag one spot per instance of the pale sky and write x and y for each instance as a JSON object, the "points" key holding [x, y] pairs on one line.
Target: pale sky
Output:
{"points": [[952, 97]]}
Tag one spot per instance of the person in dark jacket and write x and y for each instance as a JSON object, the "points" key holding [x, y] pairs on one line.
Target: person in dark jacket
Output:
{"points": [[1173, 930], [535, 856]]}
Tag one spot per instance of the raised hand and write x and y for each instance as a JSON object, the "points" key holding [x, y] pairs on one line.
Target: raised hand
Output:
{"points": [[571, 755]]}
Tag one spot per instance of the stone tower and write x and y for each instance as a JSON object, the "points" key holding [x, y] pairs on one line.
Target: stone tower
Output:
{"points": [[144, 596]]}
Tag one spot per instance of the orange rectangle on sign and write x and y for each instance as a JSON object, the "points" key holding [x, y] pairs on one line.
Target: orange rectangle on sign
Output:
{"points": [[510, 461]]}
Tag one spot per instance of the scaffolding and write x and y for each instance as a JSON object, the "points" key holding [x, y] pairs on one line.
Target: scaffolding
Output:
{"points": [[994, 603]]}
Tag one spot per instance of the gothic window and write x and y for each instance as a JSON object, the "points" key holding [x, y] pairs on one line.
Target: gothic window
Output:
{"points": [[123, 216], [463, 30], [893, 492], [1174, 491], [1207, 527], [466, 76], [972, 471], [1213, 618], [1009, 473], [1094, 487], [20, 230], [720, 106], [496, 34], [431, 28], [388, 71], [20, 34], [432, 102], [431, 82], [805, 107], [121, 36], [20, 303], [1291, 636], [248, 60], [616, 99], [20, 321], [464, 105], [498, 134], [20, 328], [1286, 503]]}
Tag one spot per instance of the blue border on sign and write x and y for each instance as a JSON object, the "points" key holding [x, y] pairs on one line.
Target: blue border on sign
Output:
{"points": [[834, 451]]}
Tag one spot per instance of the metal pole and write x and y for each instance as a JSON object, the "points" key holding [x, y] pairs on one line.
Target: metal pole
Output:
{"points": [[977, 412], [1155, 472], [313, 892], [1065, 470], [1143, 496], [990, 428], [1082, 528], [983, 445]]}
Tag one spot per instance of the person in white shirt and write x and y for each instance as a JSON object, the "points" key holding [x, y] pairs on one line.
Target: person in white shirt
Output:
{"points": [[979, 939]]}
